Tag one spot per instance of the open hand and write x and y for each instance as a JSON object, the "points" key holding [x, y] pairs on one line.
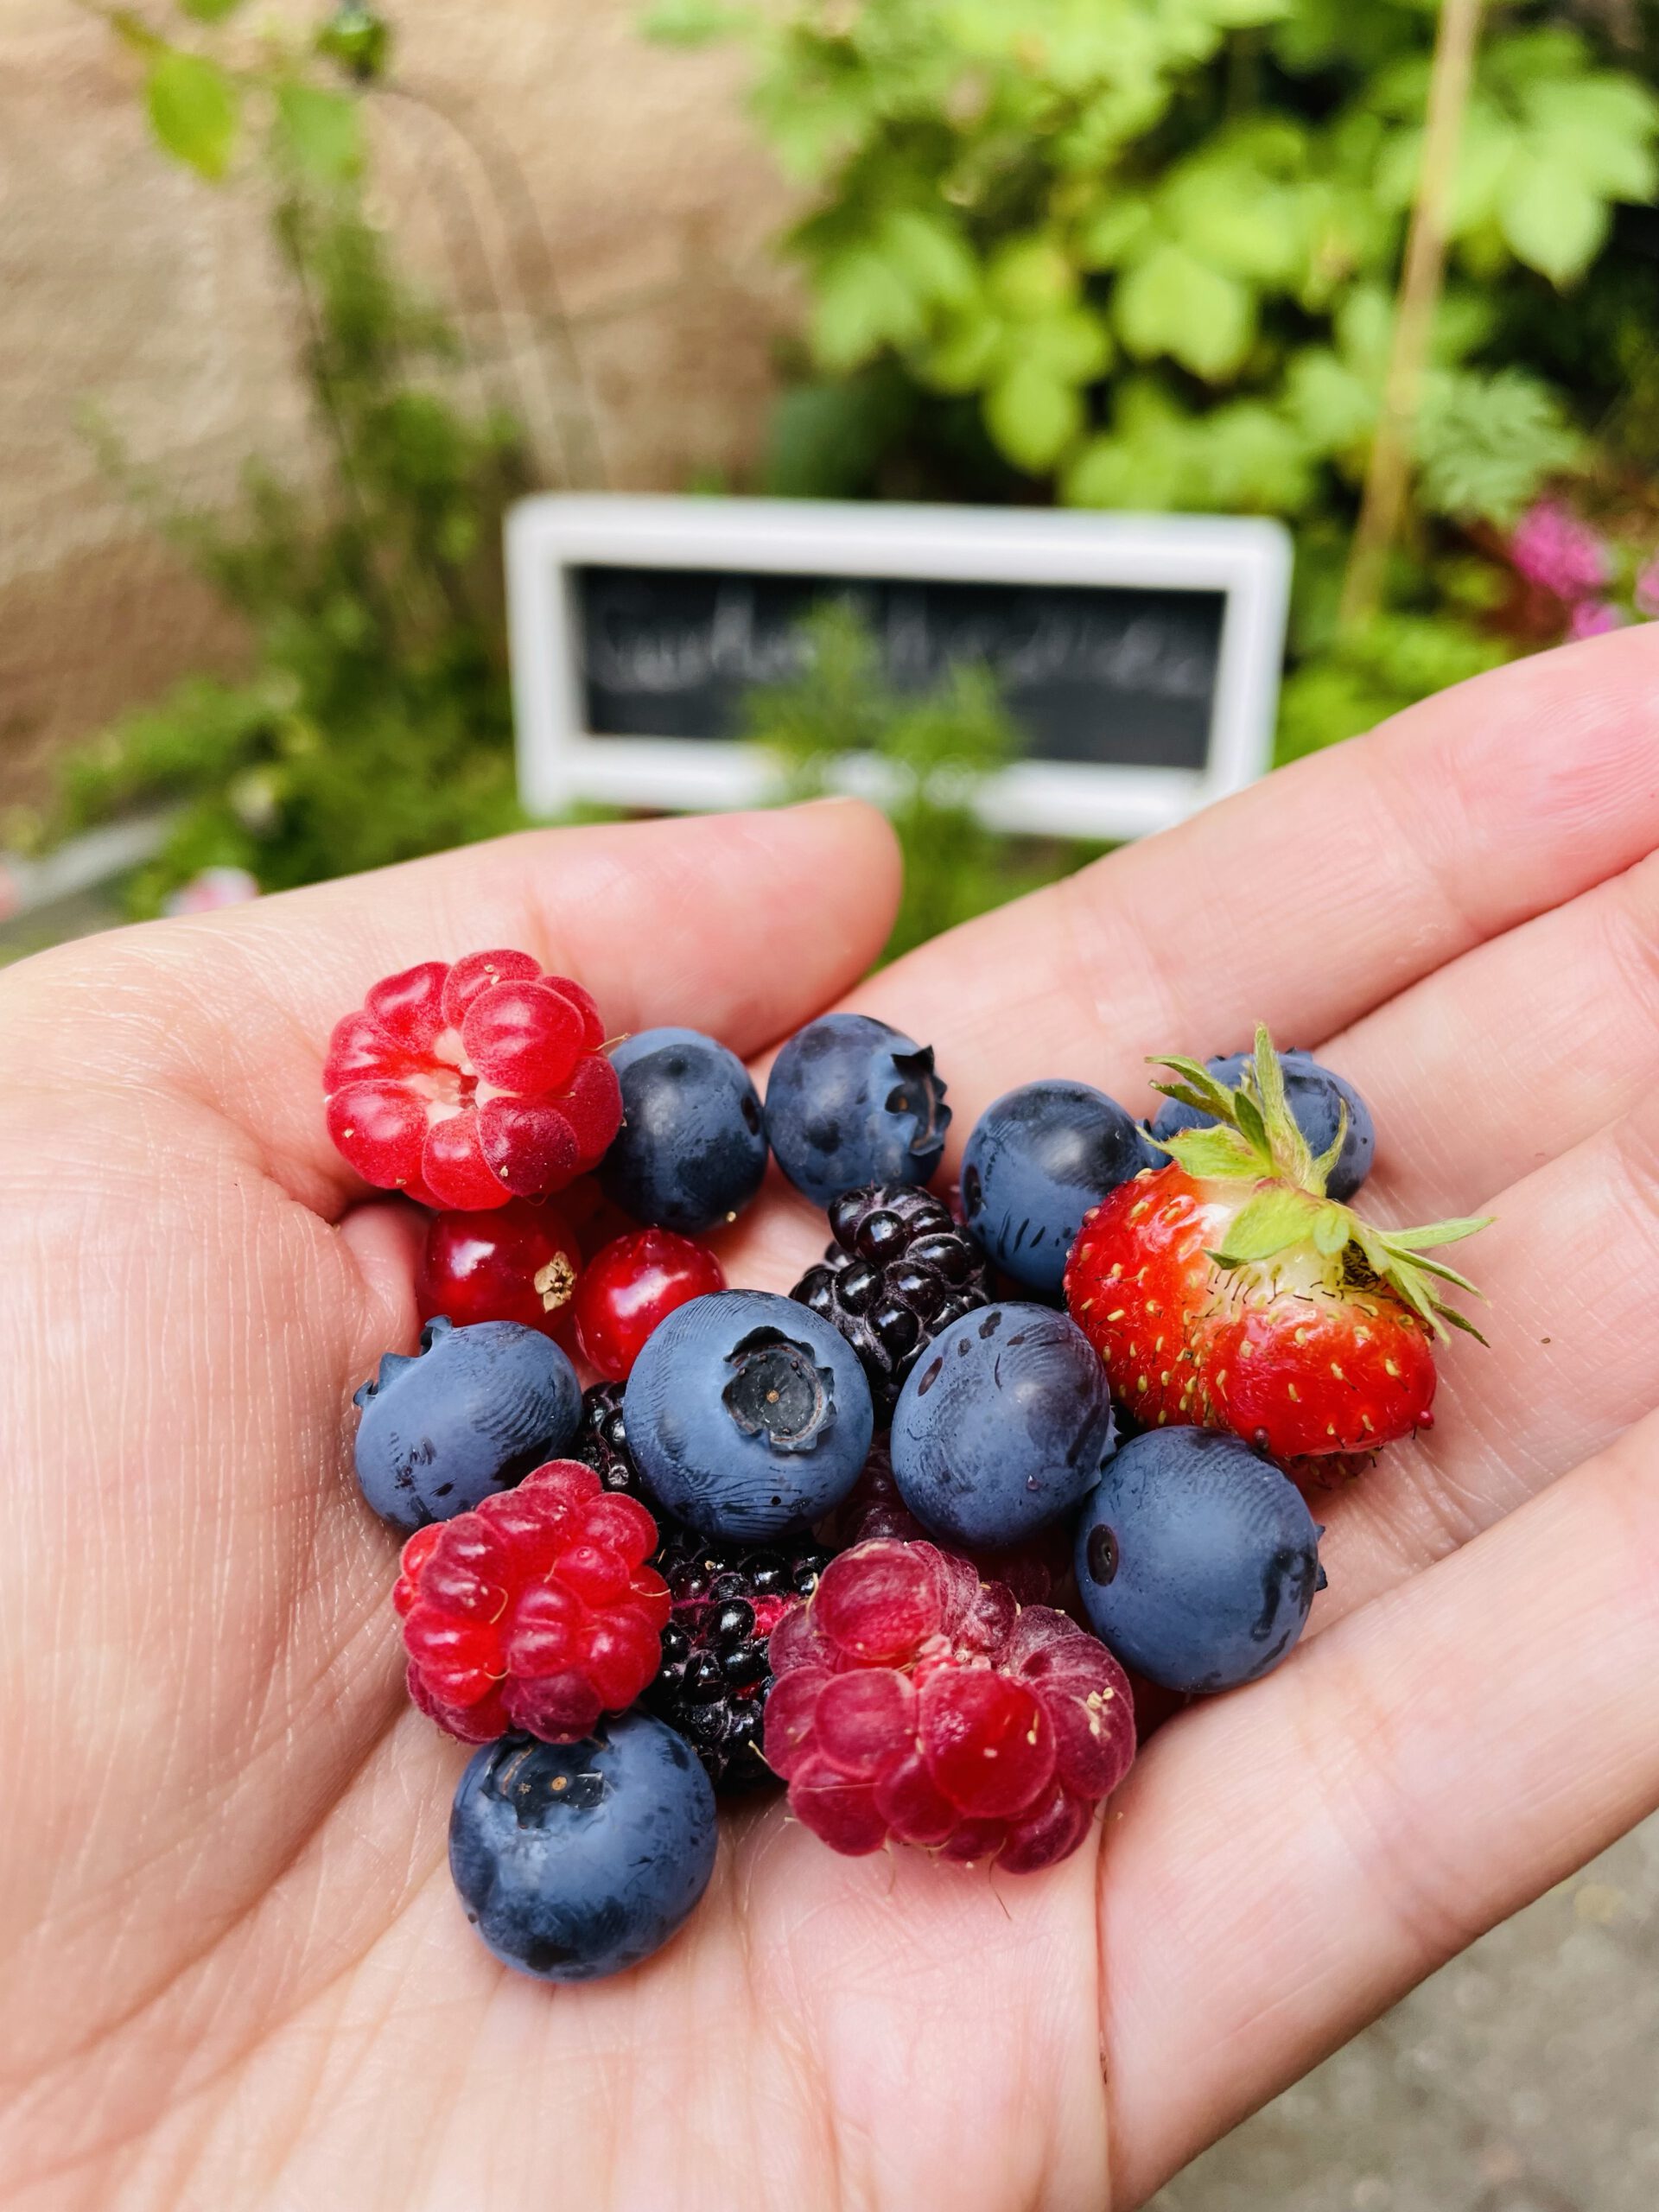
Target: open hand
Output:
{"points": [[234, 1973]]}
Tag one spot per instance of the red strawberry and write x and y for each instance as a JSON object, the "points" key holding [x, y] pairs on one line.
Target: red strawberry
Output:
{"points": [[1226, 1291], [466, 1086]]}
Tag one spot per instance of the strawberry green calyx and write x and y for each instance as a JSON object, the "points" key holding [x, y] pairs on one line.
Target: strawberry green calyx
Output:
{"points": [[1253, 1138]]}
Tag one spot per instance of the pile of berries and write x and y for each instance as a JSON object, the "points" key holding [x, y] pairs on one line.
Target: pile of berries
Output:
{"points": [[892, 1541]]}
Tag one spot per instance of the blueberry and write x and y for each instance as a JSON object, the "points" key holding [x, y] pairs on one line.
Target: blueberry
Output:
{"points": [[851, 1102], [1197, 1559], [747, 1416], [1004, 1425], [1038, 1158], [575, 1860], [692, 1148], [1316, 1097], [469, 1414]]}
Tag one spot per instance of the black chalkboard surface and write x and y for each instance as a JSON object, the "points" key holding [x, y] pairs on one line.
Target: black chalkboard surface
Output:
{"points": [[1138, 655], [1088, 673]]}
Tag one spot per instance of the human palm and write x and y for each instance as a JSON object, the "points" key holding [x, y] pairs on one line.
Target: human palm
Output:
{"points": [[234, 1973]]}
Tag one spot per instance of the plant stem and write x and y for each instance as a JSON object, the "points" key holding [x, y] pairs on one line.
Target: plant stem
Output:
{"points": [[1450, 75]]}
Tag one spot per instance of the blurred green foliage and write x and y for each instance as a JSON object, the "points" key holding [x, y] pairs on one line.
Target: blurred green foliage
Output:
{"points": [[376, 724], [1141, 254], [931, 752]]}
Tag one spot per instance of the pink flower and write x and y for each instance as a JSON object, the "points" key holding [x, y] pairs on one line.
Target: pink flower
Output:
{"points": [[1593, 618], [1552, 548], [215, 888], [1647, 588]]}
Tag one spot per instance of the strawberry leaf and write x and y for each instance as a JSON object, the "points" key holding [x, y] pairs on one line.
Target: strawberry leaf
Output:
{"points": [[1332, 1230], [1216, 1154], [1437, 1232], [1266, 1225]]}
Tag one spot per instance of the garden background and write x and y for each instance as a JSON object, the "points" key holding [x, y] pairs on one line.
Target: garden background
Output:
{"points": [[295, 302]]}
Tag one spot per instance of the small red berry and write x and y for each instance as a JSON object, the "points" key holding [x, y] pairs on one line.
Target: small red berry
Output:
{"points": [[470, 1084], [912, 1699], [535, 1610], [631, 1286], [519, 1262]]}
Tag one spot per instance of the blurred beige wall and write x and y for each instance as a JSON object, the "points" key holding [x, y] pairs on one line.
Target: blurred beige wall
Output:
{"points": [[129, 285]]}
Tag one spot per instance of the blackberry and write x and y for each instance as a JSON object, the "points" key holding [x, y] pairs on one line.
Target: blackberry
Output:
{"points": [[900, 1270], [602, 1442], [727, 1600]]}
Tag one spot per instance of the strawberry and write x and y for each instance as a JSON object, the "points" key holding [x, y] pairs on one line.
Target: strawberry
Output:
{"points": [[1228, 1291]]}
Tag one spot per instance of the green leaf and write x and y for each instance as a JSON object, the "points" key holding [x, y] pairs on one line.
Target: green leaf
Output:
{"points": [[1486, 444], [1439, 1232], [932, 253], [320, 132], [1072, 344], [864, 304], [1215, 1154], [210, 11], [193, 110], [961, 359], [1106, 238], [1032, 415], [1266, 1225], [1171, 303], [1032, 276], [1552, 222]]}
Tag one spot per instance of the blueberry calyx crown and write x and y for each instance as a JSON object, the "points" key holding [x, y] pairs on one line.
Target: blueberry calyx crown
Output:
{"points": [[919, 1092], [1256, 1139], [778, 1391], [393, 1363], [535, 1777]]}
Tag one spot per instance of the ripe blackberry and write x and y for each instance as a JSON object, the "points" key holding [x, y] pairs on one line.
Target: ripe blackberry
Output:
{"points": [[900, 1270], [727, 1599], [602, 1441]]}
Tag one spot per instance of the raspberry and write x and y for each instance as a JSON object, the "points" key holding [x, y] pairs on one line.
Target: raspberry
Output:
{"points": [[536, 1611], [466, 1086], [1037, 1571], [727, 1599], [913, 1700]]}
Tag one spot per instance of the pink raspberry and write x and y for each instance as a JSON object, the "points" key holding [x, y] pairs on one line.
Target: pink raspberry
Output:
{"points": [[912, 1699], [535, 1610], [467, 1085]]}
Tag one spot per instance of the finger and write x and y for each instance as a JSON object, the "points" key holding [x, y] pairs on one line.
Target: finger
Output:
{"points": [[1512, 1054], [1309, 899], [1572, 1360], [741, 924], [1285, 1864]]}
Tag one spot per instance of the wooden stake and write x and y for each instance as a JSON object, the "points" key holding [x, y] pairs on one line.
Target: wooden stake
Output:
{"points": [[1387, 473]]}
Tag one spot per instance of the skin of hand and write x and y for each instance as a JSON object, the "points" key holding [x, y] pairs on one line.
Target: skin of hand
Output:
{"points": [[232, 1973]]}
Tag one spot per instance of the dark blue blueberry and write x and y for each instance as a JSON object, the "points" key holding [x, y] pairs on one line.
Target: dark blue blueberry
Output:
{"points": [[692, 1148], [851, 1102], [1316, 1097], [471, 1414], [1004, 1425], [1038, 1158], [1197, 1559], [747, 1416], [575, 1860]]}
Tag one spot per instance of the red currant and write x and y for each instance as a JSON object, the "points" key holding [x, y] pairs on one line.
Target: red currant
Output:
{"points": [[519, 1262], [627, 1289]]}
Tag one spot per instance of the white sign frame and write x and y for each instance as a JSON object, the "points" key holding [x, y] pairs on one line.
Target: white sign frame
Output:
{"points": [[1247, 558]]}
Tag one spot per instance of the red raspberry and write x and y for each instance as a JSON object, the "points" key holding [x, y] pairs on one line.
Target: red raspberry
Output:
{"points": [[467, 1085], [912, 1699], [1037, 1570], [535, 1610]]}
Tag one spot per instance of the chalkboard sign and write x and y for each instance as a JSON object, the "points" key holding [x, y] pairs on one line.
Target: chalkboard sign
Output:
{"points": [[1138, 656]]}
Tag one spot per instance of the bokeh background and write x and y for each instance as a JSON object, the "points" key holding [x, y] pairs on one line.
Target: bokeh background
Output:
{"points": [[297, 300]]}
